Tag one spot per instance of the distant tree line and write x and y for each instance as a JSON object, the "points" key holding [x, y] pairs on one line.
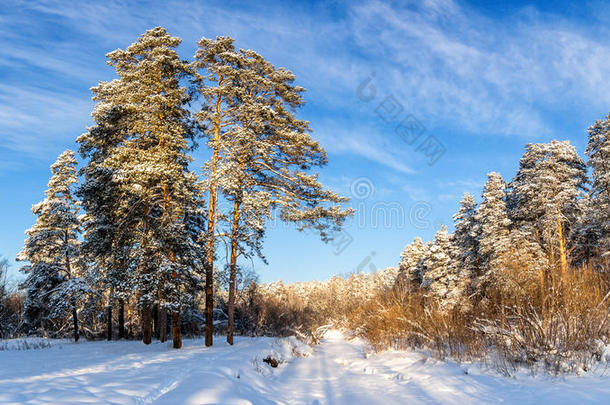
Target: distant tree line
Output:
{"points": [[523, 278], [552, 218]]}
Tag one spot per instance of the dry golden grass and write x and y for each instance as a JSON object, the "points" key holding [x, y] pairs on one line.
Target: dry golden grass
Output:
{"points": [[514, 317], [556, 326]]}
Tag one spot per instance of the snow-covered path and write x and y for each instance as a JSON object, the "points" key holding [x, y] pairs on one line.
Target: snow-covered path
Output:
{"points": [[336, 373]]}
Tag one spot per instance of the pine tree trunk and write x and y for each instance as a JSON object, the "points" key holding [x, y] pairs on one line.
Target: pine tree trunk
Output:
{"points": [[155, 320], [73, 301], [209, 304], [121, 319], [109, 322], [231, 326], [211, 246], [562, 255], [209, 282], [177, 335], [75, 321], [146, 323], [162, 324], [233, 271]]}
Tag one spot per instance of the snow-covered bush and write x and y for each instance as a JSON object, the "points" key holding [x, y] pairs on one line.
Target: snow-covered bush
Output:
{"points": [[11, 306], [30, 343]]}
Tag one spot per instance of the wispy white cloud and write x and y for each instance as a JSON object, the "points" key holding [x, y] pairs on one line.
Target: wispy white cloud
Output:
{"points": [[370, 151], [32, 119], [415, 193], [484, 75], [452, 66], [366, 142]]}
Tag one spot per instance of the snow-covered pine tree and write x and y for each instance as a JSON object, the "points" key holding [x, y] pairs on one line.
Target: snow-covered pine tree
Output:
{"points": [[260, 155], [410, 275], [106, 245], [466, 241], [587, 233], [598, 150], [544, 197], [440, 275], [269, 153], [157, 194], [494, 235], [54, 283]]}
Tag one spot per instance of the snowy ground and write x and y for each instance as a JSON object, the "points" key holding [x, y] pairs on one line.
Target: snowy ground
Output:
{"points": [[336, 372]]}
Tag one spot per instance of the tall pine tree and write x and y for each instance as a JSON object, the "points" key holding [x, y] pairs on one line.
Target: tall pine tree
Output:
{"points": [[596, 228], [409, 269], [157, 196], [494, 237], [54, 284], [269, 154], [217, 64], [466, 240], [544, 198], [260, 156]]}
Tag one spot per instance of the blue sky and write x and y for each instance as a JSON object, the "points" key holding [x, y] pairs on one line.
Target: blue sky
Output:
{"points": [[481, 79]]}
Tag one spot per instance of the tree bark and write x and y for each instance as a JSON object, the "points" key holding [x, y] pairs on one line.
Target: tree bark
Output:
{"points": [[109, 322], [162, 324], [211, 246], [177, 335], [121, 319], [146, 323], [231, 326], [209, 304], [233, 271], [75, 321], [562, 254], [73, 301], [155, 321]]}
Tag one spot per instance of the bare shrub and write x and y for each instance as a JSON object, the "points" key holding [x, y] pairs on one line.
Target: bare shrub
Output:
{"points": [[564, 332], [306, 309], [398, 318]]}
